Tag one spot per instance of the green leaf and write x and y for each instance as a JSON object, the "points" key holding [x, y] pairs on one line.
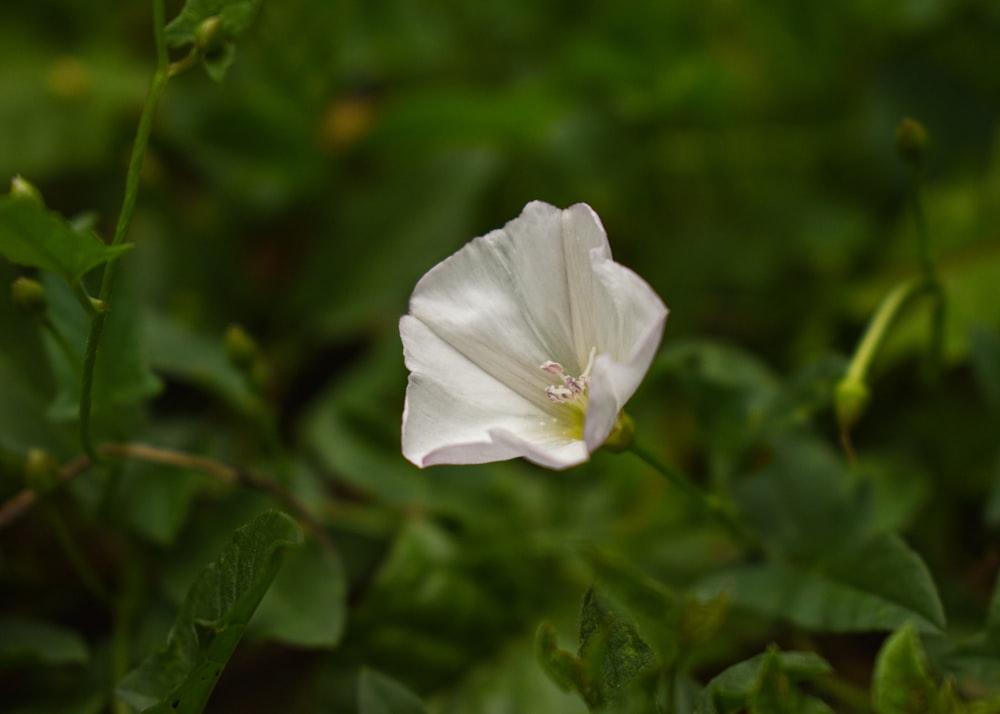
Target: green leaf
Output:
{"points": [[654, 607], [235, 15], [564, 668], [800, 503], [758, 677], [901, 683], [122, 376], [198, 359], [32, 235], [37, 642], [180, 677], [841, 601], [773, 692], [307, 604], [885, 566], [379, 694], [613, 653]]}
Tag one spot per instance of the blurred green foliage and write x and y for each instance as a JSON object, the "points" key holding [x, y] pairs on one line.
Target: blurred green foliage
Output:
{"points": [[741, 156]]}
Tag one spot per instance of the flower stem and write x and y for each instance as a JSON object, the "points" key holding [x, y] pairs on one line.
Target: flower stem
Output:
{"points": [[931, 283], [878, 327], [709, 503], [156, 88]]}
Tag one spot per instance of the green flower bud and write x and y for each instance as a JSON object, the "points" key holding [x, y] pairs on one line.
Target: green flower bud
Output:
{"points": [[41, 472], [20, 187], [241, 348], [911, 141], [622, 436], [850, 399], [209, 36], [30, 296]]}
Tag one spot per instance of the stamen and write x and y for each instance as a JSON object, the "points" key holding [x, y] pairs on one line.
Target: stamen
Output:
{"points": [[552, 368], [572, 387], [559, 394]]}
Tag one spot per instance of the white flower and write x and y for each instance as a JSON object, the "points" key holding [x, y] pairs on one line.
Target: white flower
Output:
{"points": [[526, 342]]}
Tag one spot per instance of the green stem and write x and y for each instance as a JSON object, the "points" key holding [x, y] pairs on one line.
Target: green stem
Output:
{"points": [[932, 284], [86, 302], [156, 87], [885, 315], [707, 502]]}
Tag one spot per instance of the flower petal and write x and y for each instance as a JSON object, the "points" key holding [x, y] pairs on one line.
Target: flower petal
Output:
{"points": [[453, 407], [519, 296], [629, 317]]}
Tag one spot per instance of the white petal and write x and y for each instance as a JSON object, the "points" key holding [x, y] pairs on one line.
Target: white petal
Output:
{"points": [[629, 317], [453, 407], [519, 296], [552, 454]]}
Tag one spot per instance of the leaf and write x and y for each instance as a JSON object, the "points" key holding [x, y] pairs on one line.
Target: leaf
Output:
{"points": [[379, 694], [887, 567], [194, 358], [235, 16], [734, 686], [180, 677], [32, 235], [307, 604], [840, 602], [901, 683], [564, 668], [800, 504], [38, 642], [612, 651], [122, 375], [656, 609]]}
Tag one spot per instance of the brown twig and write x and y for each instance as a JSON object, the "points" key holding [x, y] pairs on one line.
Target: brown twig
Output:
{"points": [[228, 474]]}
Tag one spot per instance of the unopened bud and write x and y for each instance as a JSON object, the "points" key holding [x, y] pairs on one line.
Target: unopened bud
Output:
{"points": [[41, 472], [850, 399], [30, 296], [241, 348], [208, 36], [20, 187], [911, 142]]}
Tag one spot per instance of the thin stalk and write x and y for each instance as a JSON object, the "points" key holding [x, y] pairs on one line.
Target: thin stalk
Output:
{"points": [[932, 284], [86, 302], [156, 87], [707, 502], [878, 327]]}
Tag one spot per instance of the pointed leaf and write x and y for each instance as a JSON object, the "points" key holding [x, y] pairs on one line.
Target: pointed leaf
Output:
{"points": [[307, 604], [901, 683], [655, 608], [564, 668], [122, 376], [820, 602], [32, 235], [379, 694], [735, 685], [179, 678], [612, 651]]}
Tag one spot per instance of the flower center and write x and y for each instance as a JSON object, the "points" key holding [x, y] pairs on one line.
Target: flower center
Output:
{"points": [[572, 389]]}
